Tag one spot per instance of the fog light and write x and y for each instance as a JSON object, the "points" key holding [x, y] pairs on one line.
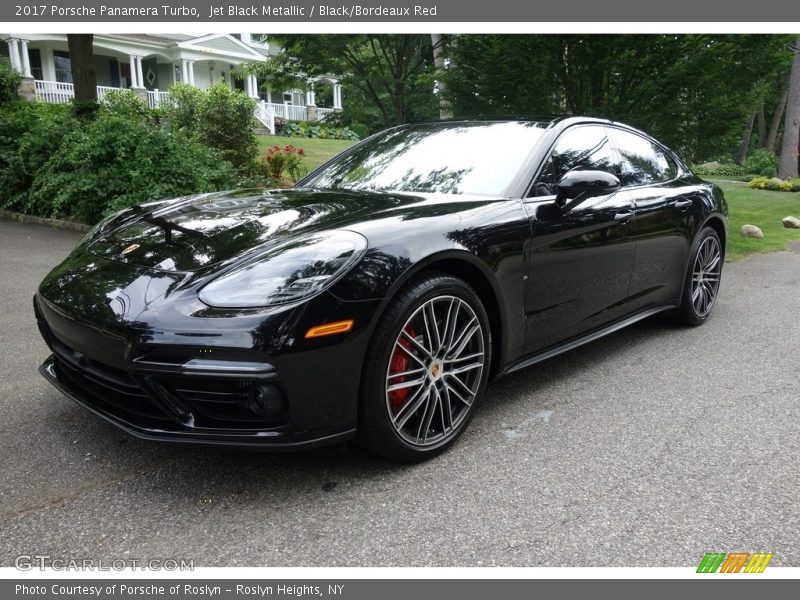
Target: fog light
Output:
{"points": [[265, 400]]}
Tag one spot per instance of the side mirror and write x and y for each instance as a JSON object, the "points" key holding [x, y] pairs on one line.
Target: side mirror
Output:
{"points": [[576, 186]]}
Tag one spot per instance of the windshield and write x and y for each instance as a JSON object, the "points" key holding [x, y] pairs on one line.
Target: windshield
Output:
{"points": [[447, 158]]}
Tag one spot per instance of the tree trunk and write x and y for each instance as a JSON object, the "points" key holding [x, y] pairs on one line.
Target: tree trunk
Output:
{"points": [[791, 126], [761, 119], [82, 64], [741, 155], [437, 41], [777, 117]]}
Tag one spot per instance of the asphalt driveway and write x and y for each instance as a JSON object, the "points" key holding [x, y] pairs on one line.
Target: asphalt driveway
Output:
{"points": [[647, 448]]}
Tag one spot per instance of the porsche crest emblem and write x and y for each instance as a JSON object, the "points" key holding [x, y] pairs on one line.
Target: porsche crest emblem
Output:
{"points": [[130, 249]]}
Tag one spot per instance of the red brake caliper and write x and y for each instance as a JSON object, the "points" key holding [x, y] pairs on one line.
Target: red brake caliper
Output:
{"points": [[400, 363]]}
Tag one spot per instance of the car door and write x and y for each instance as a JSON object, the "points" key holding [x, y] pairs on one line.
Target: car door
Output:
{"points": [[662, 225], [579, 260]]}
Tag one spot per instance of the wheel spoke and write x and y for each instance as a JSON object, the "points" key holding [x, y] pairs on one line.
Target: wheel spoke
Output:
{"points": [[465, 368], [411, 407], [464, 339], [406, 384], [427, 417], [419, 371], [409, 352], [431, 332], [417, 345]]}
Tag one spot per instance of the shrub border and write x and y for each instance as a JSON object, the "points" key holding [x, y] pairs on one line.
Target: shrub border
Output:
{"points": [[9, 215]]}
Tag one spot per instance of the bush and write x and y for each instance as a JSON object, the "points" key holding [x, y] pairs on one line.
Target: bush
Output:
{"points": [[774, 184], [225, 121], [30, 133], [283, 163], [180, 113], [360, 129], [116, 161], [315, 129], [9, 82], [761, 160], [769, 172], [718, 169]]}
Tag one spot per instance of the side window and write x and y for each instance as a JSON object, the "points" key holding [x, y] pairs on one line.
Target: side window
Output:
{"points": [[585, 147], [642, 162]]}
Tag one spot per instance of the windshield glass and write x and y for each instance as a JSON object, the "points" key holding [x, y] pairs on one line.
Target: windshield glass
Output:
{"points": [[447, 158]]}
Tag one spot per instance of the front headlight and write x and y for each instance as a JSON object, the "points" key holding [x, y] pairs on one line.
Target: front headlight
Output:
{"points": [[292, 271]]}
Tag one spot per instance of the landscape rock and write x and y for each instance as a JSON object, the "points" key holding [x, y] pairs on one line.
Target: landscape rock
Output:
{"points": [[711, 166], [791, 222], [751, 231]]}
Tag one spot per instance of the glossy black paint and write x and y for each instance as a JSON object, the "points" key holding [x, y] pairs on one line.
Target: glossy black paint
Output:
{"points": [[550, 276]]}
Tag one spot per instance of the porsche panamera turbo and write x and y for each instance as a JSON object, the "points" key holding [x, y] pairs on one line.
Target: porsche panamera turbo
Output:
{"points": [[377, 297]]}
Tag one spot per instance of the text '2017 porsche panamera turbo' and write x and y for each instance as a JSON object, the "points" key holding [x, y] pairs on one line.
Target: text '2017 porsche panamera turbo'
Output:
{"points": [[378, 296]]}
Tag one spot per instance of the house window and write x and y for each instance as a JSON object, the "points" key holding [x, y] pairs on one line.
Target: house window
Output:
{"points": [[287, 98], [35, 58], [63, 66]]}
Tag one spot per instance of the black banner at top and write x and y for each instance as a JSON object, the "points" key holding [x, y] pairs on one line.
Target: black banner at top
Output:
{"points": [[372, 11]]}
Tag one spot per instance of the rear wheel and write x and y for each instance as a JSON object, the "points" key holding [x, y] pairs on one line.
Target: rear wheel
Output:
{"points": [[426, 369], [702, 278]]}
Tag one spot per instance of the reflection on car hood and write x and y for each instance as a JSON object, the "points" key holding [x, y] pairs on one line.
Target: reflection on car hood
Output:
{"points": [[201, 231]]}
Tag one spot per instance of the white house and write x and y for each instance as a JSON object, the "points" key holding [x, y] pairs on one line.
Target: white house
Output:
{"points": [[150, 63]]}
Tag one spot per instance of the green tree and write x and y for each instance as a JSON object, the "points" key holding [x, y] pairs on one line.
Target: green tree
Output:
{"points": [[387, 73], [696, 92]]}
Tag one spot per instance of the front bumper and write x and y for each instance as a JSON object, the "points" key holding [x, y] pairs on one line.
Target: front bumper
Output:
{"points": [[261, 439], [159, 385]]}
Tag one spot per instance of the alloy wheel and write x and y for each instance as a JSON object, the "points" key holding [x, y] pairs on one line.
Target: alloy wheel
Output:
{"points": [[435, 371], [706, 275]]}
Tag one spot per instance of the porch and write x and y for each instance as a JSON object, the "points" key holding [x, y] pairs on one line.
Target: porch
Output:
{"points": [[150, 65]]}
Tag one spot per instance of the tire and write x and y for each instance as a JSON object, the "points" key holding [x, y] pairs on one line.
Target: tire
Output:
{"points": [[703, 276], [421, 384]]}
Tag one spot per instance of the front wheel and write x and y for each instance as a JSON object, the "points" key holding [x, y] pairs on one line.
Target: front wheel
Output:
{"points": [[703, 276], [426, 369]]}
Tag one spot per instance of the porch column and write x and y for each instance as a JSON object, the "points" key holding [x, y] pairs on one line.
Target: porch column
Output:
{"points": [[184, 70], [191, 73], [134, 77], [255, 86], [26, 61], [337, 96], [13, 52], [269, 94], [311, 99], [248, 85], [139, 76]]}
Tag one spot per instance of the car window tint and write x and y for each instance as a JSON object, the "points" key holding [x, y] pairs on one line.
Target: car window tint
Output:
{"points": [[468, 158], [585, 147], [642, 161]]}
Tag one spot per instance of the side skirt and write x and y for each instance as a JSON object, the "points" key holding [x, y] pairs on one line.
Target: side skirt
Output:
{"points": [[552, 351]]}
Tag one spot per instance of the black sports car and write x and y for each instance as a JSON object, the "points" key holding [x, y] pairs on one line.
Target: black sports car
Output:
{"points": [[378, 296]]}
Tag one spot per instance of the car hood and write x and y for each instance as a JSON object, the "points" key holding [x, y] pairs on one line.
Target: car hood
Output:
{"points": [[202, 231]]}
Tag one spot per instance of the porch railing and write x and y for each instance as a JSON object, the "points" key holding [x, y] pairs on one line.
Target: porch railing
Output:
{"points": [[156, 98], [265, 116], [290, 112], [54, 92]]}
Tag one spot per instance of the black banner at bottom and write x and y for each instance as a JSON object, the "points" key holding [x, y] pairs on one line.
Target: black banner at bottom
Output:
{"points": [[394, 589]]}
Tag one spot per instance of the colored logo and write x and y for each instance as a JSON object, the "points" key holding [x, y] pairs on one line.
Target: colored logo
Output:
{"points": [[129, 249], [734, 562]]}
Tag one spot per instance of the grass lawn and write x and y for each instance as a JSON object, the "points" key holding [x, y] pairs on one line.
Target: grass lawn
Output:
{"points": [[765, 210], [317, 151]]}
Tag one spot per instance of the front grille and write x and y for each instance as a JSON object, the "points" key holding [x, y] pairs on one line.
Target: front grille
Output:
{"points": [[104, 385], [216, 399], [139, 398]]}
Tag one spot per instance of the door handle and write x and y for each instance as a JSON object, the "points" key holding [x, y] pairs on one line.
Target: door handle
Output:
{"points": [[623, 217], [682, 204]]}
